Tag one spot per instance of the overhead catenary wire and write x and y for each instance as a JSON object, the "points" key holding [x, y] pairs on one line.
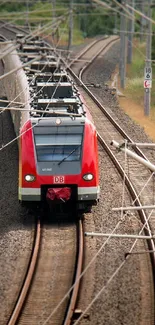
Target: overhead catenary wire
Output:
{"points": [[51, 112], [82, 274], [30, 128], [87, 267], [30, 83], [35, 33], [94, 258], [105, 5], [110, 279], [30, 38], [14, 47], [114, 275], [16, 138], [108, 282]]}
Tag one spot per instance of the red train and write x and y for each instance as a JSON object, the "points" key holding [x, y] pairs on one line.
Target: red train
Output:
{"points": [[58, 155]]}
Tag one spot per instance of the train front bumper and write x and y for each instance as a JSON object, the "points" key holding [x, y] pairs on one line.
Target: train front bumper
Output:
{"points": [[83, 193]]}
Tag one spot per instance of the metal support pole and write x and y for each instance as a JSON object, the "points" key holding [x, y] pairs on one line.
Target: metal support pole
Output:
{"points": [[70, 35], [27, 13], [122, 65], [142, 21], [147, 83], [111, 235], [53, 12], [115, 19], [147, 145], [149, 207], [55, 34], [133, 155], [131, 31]]}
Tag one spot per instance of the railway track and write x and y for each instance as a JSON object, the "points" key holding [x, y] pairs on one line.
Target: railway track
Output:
{"points": [[10, 30], [108, 130], [138, 179], [56, 263], [30, 300]]}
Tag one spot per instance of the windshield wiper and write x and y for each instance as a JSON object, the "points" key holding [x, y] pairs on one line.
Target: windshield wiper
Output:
{"points": [[68, 155]]}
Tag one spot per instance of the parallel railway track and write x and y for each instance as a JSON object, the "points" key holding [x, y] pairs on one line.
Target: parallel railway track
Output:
{"points": [[108, 129], [111, 127], [25, 309], [103, 136]]}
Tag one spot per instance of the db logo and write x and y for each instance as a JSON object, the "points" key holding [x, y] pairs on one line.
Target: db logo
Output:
{"points": [[59, 179]]}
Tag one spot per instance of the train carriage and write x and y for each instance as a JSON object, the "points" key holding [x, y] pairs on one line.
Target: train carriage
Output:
{"points": [[58, 155]]}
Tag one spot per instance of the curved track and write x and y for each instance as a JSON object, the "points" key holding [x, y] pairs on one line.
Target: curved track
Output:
{"points": [[26, 309], [105, 129], [140, 181], [114, 127]]}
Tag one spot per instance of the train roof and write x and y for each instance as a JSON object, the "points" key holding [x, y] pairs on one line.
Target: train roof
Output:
{"points": [[34, 47], [57, 107], [55, 76], [32, 55], [57, 121], [55, 89], [53, 94]]}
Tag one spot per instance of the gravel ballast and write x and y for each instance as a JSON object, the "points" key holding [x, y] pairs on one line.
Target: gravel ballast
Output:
{"points": [[122, 301], [124, 298]]}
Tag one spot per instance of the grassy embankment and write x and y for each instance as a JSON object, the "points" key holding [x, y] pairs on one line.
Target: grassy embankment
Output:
{"points": [[133, 102]]}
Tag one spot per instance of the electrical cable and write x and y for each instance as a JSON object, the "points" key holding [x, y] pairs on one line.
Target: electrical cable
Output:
{"points": [[96, 297], [29, 84], [108, 282]]}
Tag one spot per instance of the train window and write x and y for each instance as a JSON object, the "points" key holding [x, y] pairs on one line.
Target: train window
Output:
{"points": [[58, 153], [56, 147]]}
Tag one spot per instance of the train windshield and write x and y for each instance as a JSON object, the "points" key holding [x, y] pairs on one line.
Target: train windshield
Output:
{"points": [[60, 146]]}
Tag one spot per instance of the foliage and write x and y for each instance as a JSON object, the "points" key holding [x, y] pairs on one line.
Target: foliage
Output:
{"points": [[12, 6], [89, 19]]}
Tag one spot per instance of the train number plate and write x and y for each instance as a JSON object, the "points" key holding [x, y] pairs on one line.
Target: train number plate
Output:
{"points": [[59, 179]]}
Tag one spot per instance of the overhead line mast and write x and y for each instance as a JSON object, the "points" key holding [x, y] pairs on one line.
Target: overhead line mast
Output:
{"points": [[148, 65], [131, 32], [122, 66]]}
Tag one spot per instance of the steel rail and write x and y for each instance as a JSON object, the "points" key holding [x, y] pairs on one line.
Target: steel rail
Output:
{"points": [[127, 181], [102, 108], [132, 191], [10, 27], [96, 55], [27, 282], [85, 50], [75, 291]]}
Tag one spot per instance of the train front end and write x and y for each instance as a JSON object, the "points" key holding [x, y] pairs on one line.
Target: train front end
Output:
{"points": [[59, 162]]}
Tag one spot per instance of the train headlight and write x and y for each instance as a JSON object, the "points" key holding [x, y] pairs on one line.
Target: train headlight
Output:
{"points": [[29, 178], [58, 121], [88, 177]]}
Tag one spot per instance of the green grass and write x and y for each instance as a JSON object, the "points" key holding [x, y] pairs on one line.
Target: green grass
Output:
{"points": [[136, 69], [135, 75]]}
